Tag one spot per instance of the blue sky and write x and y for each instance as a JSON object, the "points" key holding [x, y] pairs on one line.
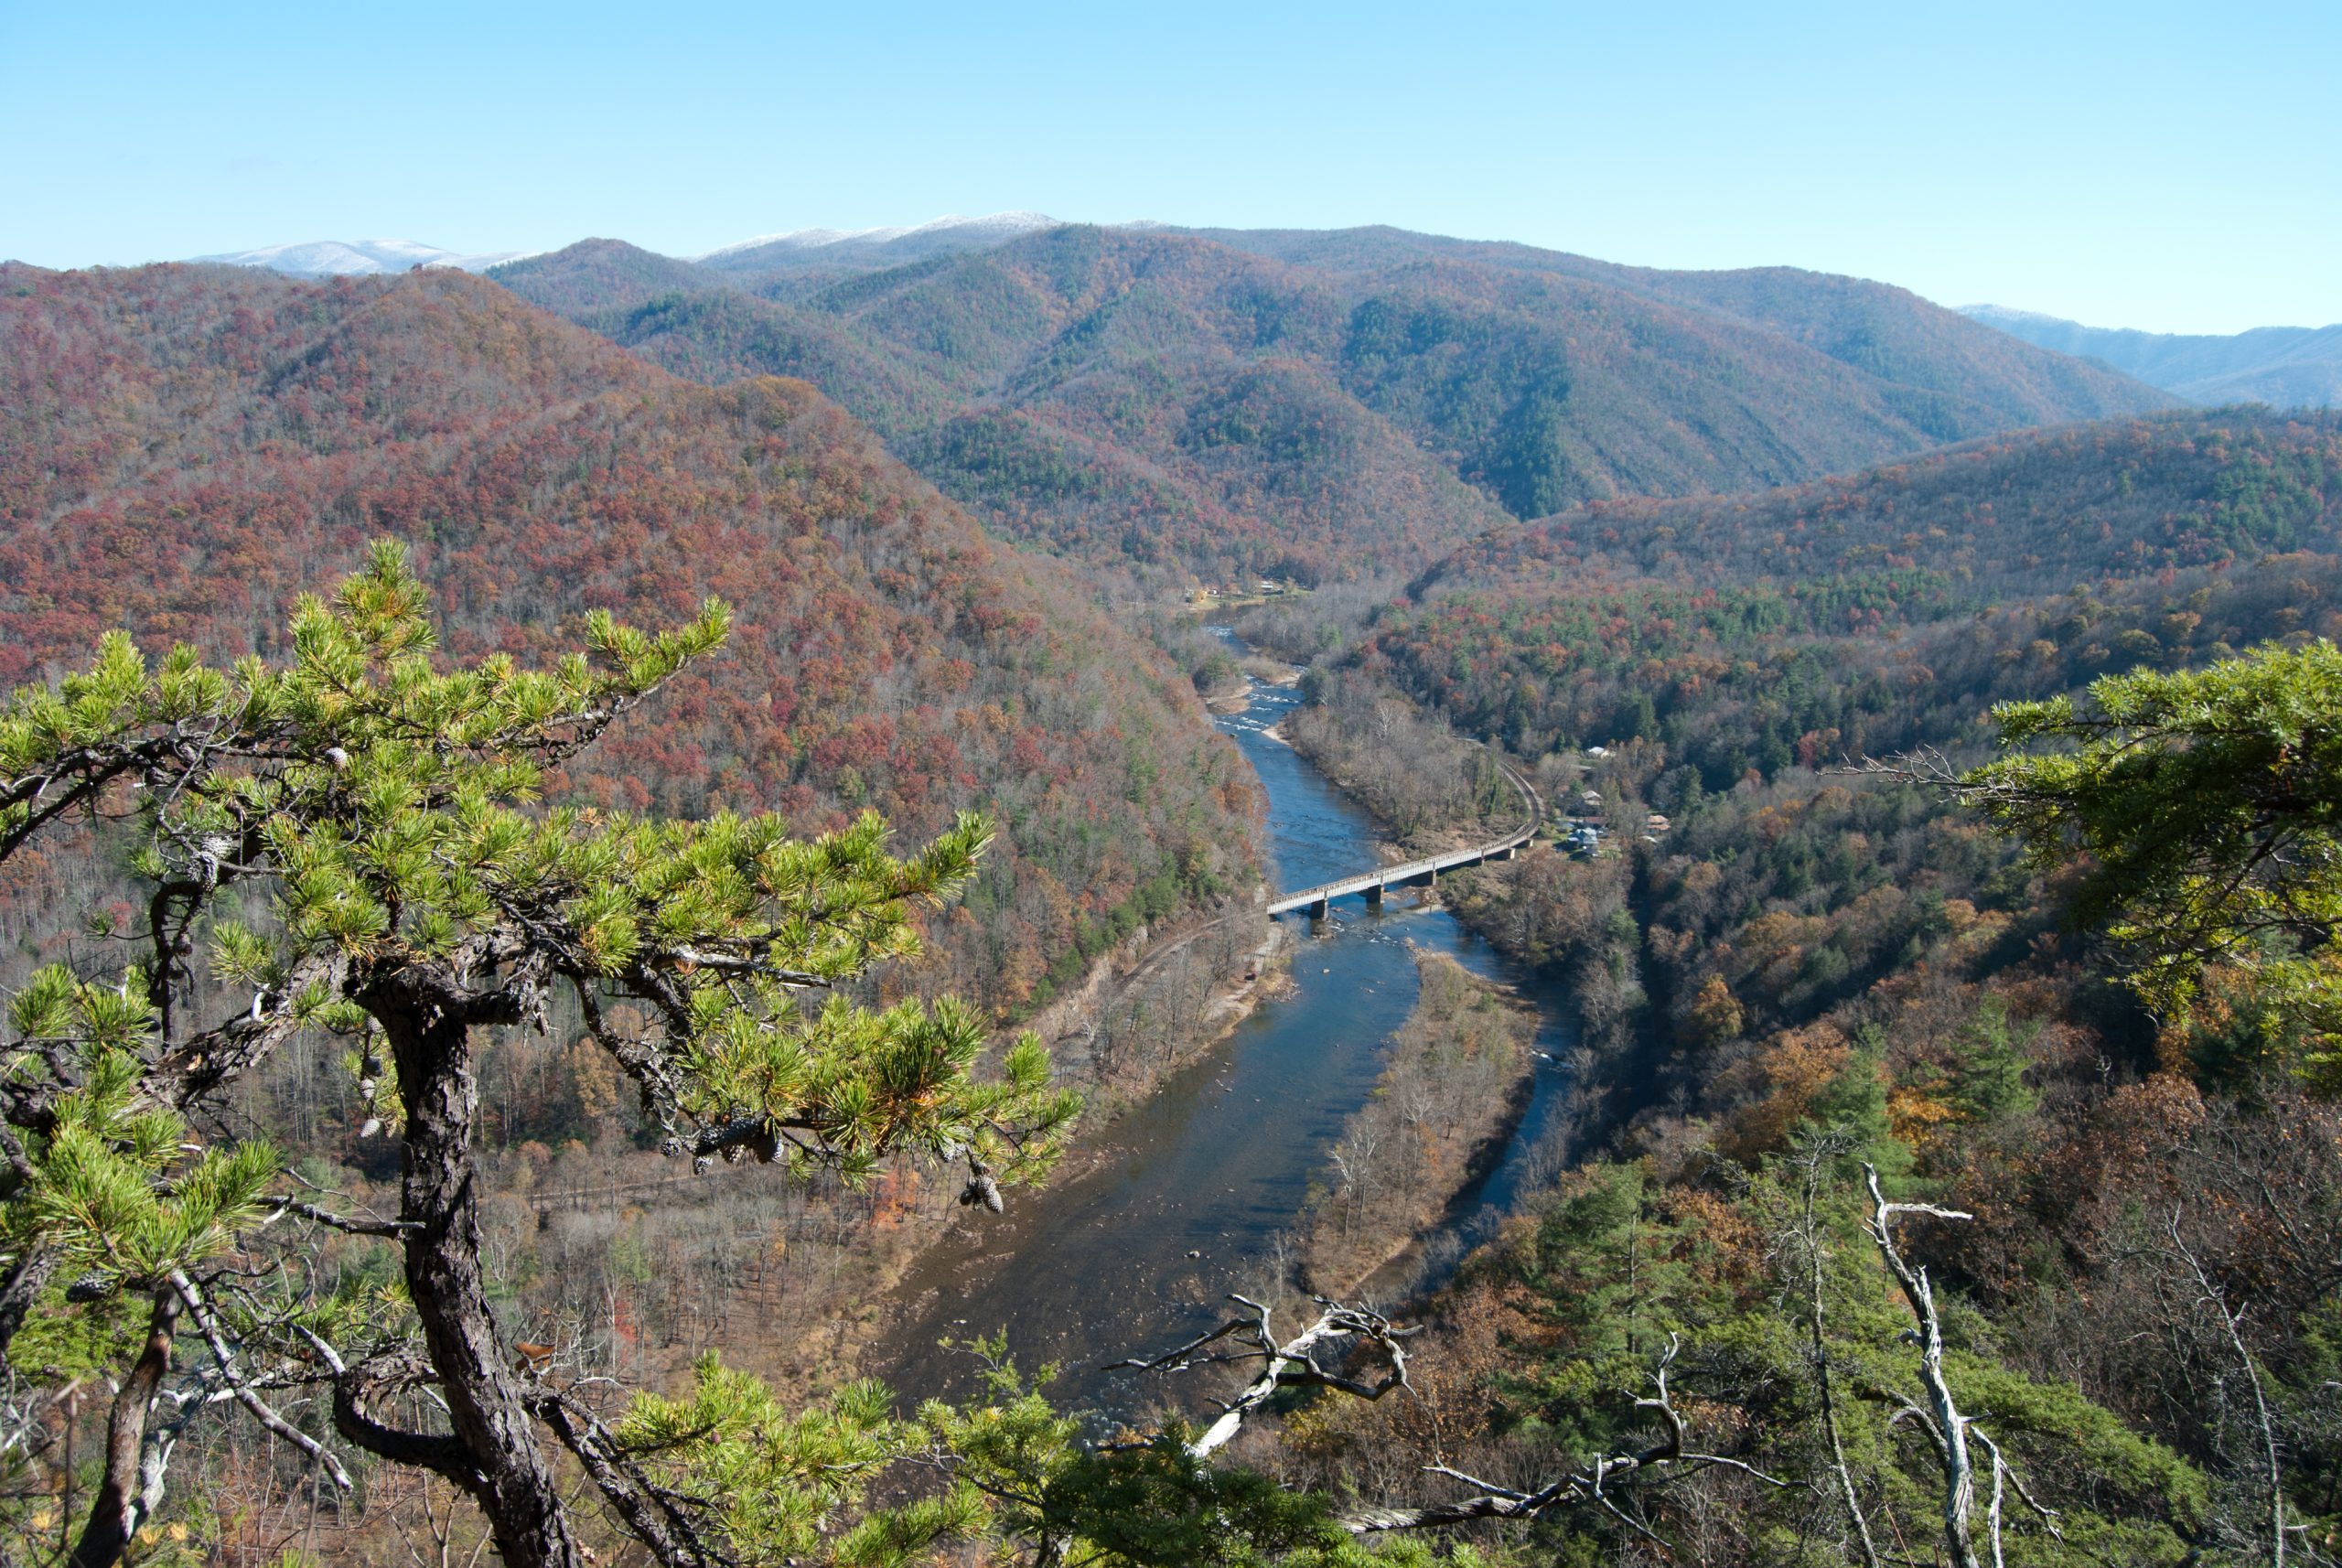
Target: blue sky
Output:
{"points": [[2173, 168]]}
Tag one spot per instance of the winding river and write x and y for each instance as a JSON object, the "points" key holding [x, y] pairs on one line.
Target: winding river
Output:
{"points": [[1194, 1187]]}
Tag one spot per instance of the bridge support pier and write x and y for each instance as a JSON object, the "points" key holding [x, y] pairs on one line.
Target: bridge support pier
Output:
{"points": [[1374, 882]]}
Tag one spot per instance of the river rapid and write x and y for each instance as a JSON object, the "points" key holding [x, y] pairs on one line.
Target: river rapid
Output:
{"points": [[1194, 1189]]}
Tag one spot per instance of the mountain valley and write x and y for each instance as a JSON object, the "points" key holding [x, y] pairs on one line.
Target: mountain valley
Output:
{"points": [[2288, 366], [1230, 406], [1915, 1019]]}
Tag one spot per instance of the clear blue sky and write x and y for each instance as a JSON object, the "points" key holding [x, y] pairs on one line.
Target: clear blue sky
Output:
{"points": [[2172, 167]]}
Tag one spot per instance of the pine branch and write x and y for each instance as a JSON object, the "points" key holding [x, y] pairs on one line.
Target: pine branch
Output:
{"points": [[210, 1328]]}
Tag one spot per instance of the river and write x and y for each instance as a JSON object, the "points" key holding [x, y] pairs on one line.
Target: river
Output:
{"points": [[1194, 1189]]}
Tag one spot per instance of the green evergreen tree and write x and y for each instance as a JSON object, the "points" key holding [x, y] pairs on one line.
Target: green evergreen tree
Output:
{"points": [[354, 842], [1989, 1078], [2204, 810]]}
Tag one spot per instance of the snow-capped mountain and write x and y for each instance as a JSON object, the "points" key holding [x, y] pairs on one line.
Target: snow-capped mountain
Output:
{"points": [[333, 258], [803, 240], [997, 226], [2004, 315], [942, 234]]}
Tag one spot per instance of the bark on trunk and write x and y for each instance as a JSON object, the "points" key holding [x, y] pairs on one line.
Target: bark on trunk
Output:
{"points": [[1949, 1428], [1810, 1240], [122, 1504], [21, 1288], [428, 1020]]}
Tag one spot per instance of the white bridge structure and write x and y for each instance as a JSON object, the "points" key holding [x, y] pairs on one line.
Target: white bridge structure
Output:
{"points": [[1427, 870]]}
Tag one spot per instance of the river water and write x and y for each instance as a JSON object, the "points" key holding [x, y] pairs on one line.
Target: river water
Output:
{"points": [[1195, 1187]]}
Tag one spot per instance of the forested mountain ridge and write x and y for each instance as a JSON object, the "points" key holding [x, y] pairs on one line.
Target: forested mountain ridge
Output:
{"points": [[183, 449], [1080, 400], [2289, 367], [1876, 329], [599, 274], [1321, 405], [2018, 514], [1788, 966], [1633, 620]]}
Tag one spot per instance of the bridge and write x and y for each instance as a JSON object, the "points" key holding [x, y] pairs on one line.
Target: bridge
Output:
{"points": [[1372, 883]]}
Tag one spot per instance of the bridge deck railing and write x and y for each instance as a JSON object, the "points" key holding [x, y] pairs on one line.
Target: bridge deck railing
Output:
{"points": [[1385, 875]]}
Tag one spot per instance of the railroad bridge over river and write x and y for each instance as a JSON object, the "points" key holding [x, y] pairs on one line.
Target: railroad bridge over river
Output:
{"points": [[1372, 883]]}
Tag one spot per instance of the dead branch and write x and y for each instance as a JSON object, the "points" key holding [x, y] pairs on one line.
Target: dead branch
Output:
{"points": [[1947, 1425], [209, 1327], [1293, 1364], [1592, 1484], [2232, 1321]]}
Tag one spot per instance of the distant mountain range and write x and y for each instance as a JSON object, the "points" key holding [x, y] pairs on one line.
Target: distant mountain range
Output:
{"points": [[873, 247], [2282, 365], [1321, 405], [2289, 367], [346, 258], [1221, 403], [806, 248]]}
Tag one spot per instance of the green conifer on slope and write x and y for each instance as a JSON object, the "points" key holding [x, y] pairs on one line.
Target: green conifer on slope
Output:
{"points": [[2204, 810], [384, 810]]}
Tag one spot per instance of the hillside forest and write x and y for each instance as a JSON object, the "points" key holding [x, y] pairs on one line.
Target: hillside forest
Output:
{"points": [[1806, 949], [1170, 408], [188, 451], [549, 824]]}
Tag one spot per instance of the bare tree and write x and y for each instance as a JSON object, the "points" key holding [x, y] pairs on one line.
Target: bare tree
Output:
{"points": [[2210, 1301], [1802, 1249], [1946, 1429], [1310, 1360]]}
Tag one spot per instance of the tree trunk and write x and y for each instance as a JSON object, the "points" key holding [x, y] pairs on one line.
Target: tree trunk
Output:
{"points": [[428, 1020], [1809, 1241], [21, 1287], [1949, 1428], [122, 1504]]}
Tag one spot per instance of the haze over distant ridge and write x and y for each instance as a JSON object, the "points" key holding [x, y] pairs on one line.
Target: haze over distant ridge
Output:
{"points": [[2289, 367], [954, 229], [875, 247], [348, 258]]}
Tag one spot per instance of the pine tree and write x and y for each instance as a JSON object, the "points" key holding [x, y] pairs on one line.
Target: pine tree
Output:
{"points": [[354, 842], [2204, 810]]}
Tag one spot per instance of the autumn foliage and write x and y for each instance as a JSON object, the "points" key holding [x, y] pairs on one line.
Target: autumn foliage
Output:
{"points": [[183, 448]]}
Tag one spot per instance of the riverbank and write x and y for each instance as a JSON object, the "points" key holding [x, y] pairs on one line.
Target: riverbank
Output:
{"points": [[913, 1213], [1073, 1026], [1453, 1087], [1427, 789], [1256, 673], [1551, 913]]}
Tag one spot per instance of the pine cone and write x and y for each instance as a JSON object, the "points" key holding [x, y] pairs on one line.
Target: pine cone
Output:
{"points": [[982, 1188], [91, 1287]]}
